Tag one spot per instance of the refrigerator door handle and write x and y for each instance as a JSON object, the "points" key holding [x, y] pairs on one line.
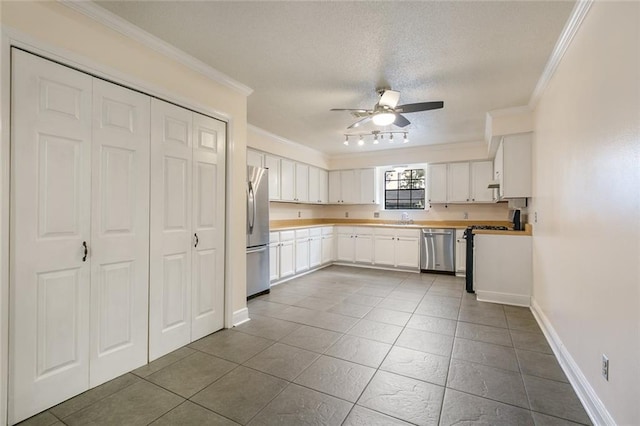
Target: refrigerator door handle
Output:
{"points": [[257, 249], [251, 207]]}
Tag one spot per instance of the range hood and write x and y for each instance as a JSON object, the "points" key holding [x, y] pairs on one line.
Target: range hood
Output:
{"points": [[494, 184]]}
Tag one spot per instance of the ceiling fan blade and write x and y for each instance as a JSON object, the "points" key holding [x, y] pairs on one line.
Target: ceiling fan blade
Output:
{"points": [[401, 121], [420, 106], [389, 98], [359, 123], [349, 109]]}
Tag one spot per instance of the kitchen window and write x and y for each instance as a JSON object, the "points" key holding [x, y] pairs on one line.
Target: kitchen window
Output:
{"points": [[404, 189]]}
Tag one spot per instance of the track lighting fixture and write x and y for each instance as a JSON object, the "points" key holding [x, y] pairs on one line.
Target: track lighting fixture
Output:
{"points": [[406, 138], [378, 136]]}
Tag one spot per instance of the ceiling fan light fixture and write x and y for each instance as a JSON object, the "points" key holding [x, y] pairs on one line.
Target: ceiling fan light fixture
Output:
{"points": [[346, 141], [361, 141], [406, 138], [383, 118]]}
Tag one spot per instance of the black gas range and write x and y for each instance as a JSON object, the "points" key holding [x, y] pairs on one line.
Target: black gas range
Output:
{"points": [[468, 235]]}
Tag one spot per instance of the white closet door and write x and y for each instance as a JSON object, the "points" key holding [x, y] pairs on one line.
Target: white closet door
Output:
{"points": [[171, 237], [119, 231], [207, 289], [51, 184]]}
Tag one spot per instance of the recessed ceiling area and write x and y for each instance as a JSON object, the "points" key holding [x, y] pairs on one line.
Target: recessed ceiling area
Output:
{"points": [[304, 58]]}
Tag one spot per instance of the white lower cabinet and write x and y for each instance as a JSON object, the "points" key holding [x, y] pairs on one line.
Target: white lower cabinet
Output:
{"points": [[328, 245], [363, 245], [345, 244], [315, 247], [274, 256], [397, 247], [297, 251], [302, 250], [287, 254]]}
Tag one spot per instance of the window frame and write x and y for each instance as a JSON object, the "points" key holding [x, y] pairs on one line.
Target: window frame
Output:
{"points": [[384, 188]]}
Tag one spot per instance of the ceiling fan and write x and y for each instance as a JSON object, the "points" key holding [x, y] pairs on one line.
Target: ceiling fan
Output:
{"points": [[387, 111]]}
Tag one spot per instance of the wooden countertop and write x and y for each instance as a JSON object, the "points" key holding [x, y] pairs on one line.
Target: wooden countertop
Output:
{"points": [[280, 225]]}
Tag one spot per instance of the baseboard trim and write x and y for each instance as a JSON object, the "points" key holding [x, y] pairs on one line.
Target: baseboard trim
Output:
{"points": [[240, 316], [593, 405], [504, 298]]}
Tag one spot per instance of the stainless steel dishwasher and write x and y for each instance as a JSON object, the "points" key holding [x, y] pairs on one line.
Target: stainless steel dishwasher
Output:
{"points": [[437, 250]]}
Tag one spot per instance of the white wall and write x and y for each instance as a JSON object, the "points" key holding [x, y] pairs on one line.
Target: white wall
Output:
{"points": [[587, 195]]}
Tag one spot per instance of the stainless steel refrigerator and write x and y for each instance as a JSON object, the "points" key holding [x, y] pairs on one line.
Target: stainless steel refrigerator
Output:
{"points": [[257, 231]]}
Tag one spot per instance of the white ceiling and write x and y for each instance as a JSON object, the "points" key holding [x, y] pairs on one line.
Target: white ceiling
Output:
{"points": [[303, 58]]}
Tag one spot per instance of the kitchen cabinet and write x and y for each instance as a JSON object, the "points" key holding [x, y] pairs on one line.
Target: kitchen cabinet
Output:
{"points": [[461, 253], [287, 180], [345, 245], [512, 166], [437, 183], [255, 158], [397, 247], [273, 164], [287, 254], [481, 175], [363, 245], [357, 186], [463, 182], [323, 186], [502, 268], [302, 183], [302, 250], [315, 247], [318, 185], [274, 256], [328, 245], [458, 182]]}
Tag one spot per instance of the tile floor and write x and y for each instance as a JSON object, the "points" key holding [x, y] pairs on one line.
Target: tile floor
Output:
{"points": [[348, 346]]}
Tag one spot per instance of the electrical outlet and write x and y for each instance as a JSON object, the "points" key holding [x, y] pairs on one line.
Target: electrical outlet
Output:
{"points": [[535, 217], [466, 215], [605, 367], [346, 214], [376, 215], [299, 214]]}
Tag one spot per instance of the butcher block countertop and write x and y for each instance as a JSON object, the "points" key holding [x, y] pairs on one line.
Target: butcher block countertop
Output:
{"points": [[281, 225]]}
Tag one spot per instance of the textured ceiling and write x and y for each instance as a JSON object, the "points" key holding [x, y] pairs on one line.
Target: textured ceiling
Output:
{"points": [[303, 58]]}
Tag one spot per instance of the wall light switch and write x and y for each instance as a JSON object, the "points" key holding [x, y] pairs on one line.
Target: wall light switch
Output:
{"points": [[346, 214], [299, 214], [376, 214]]}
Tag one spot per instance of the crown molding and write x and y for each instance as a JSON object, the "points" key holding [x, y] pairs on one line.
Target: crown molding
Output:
{"points": [[285, 141], [133, 32], [570, 29]]}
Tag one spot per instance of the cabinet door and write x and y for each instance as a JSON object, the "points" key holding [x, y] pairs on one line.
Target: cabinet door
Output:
{"points": [[274, 262], [314, 185], [328, 250], [287, 258], [407, 252], [458, 183], [349, 185], [171, 239], [51, 189], [302, 255], [255, 158], [323, 186], [384, 247], [461, 252], [287, 181], [335, 187], [481, 174], [302, 183], [119, 231], [273, 164], [517, 166], [368, 186], [346, 248], [315, 252], [207, 302], [437, 183], [498, 165], [364, 248]]}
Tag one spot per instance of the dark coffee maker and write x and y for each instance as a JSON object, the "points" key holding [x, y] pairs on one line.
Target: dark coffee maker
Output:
{"points": [[517, 224]]}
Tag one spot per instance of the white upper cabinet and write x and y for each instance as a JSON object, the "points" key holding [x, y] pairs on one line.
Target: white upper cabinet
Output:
{"points": [[314, 185], [515, 181], [302, 183], [335, 189], [287, 180], [323, 186], [437, 183], [349, 186], [273, 164], [353, 186], [255, 158], [458, 183], [368, 187], [481, 174]]}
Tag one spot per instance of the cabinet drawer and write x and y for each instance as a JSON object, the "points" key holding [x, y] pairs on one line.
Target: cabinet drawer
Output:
{"points": [[361, 230], [302, 233], [344, 229], [274, 237], [287, 235], [315, 232], [410, 233], [327, 230], [385, 231]]}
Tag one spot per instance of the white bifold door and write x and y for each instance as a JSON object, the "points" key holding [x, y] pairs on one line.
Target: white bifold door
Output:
{"points": [[187, 222], [79, 233]]}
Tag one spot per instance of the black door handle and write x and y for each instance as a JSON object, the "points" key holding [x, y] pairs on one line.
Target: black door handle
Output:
{"points": [[197, 240], [86, 251]]}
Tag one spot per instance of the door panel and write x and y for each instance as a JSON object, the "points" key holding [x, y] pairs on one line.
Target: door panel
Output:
{"points": [[50, 219], [171, 238], [207, 303], [120, 231]]}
